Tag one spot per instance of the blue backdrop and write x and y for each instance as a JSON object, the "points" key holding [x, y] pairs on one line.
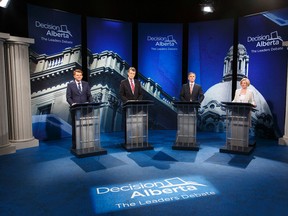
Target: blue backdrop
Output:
{"points": [[209, 43], [53, 30], [262, 35], [110, 35], [160, 55]]}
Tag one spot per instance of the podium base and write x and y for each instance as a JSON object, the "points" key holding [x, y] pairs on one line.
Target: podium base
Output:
{"points": [[135, 147], [86, 152], [183, 146], [237, 149]]}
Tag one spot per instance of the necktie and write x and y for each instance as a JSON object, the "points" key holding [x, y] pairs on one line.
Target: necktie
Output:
{"points": [[191, 88], [79, 87], [132, 85]]}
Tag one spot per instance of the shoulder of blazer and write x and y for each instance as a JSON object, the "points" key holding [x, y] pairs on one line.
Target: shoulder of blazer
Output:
{"points": [[185, 86], [125, 81], [84, 82], [71, 83]]}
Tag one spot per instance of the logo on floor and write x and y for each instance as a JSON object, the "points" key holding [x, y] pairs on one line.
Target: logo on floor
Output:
{"points": [[111, 198]]}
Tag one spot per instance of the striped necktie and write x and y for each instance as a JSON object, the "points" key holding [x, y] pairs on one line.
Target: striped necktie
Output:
{"points": [[79, 87]]}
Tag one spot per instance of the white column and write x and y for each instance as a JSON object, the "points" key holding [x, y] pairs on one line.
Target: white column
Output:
{"points": [[5, 146], [284, 140], [19, 92]]}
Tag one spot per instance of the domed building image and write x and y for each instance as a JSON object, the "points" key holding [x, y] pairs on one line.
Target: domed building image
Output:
{"points": [[212, 113]]}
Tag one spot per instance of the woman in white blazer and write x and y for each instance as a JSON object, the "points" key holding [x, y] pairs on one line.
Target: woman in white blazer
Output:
{"points": [[244, 95]]}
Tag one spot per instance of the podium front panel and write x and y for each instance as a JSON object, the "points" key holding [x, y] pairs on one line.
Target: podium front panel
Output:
{"points": [[136, 128], [238, 131], [86, 130], [136, 125], [186, 126], [238, 123]]}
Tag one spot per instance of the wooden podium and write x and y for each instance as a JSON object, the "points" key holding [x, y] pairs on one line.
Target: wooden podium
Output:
{"points": [[136, 125], [238, 122], [186, 125], [86, 129]]}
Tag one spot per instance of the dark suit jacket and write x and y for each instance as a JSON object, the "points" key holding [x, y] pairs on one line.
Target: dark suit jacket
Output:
{"points": [[126, 91], [74, 96], [197, 93]]}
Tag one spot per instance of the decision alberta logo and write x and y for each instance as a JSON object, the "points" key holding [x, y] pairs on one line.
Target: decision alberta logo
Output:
{"points": [[266, 43], [139, 194], [53, 33], [266, 40], [60, 31], [163, 42]]}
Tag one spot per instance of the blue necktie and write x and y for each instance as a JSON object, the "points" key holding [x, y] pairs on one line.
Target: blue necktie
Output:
{"points": [[79, 87]]}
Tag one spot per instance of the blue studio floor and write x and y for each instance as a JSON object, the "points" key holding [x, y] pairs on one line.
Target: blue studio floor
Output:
{"points": [[49, 180]]}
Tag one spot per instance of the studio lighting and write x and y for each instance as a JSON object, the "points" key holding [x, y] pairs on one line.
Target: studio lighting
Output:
{"points": [[207, 9], [207, 6], [4, 3]]}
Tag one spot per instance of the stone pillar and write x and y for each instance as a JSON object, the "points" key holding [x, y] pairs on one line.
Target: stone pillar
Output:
{"points": [[284, 140], [5, 146], [19, 92]]}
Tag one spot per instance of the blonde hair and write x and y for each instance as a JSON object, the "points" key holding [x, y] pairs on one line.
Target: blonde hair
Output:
{"points": [[245, 80]]}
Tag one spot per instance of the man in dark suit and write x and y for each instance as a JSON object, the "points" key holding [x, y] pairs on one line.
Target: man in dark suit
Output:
{"points": [[130, 88], [78, 91], [191, 91]]}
